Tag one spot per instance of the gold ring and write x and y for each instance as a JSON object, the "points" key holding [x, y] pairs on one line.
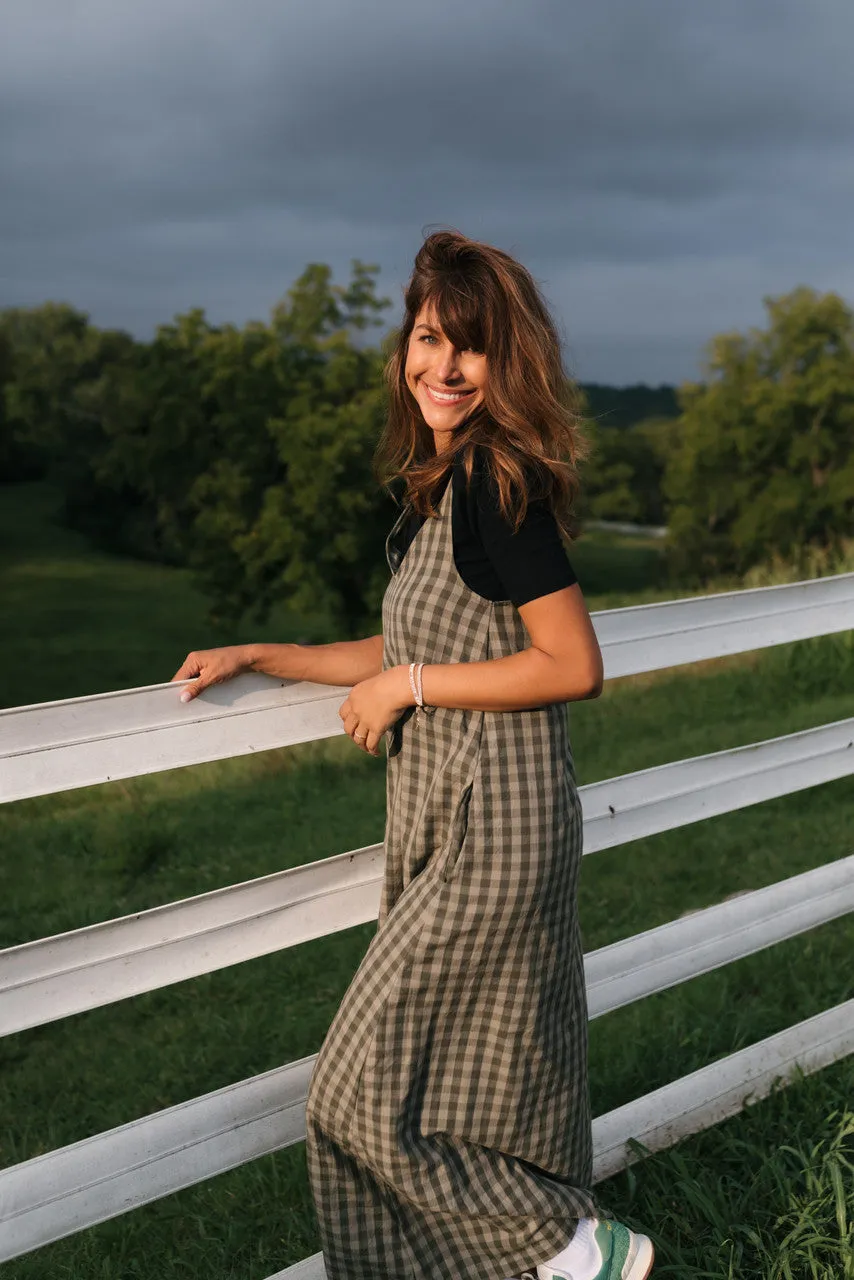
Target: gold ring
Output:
{"points": [[360, 737]]}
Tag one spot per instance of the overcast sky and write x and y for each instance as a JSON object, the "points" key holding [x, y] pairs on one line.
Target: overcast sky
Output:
{"points": [[660, 165]]}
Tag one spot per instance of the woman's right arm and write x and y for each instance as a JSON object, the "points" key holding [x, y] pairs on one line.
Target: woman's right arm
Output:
{"points": [[344, 662]]}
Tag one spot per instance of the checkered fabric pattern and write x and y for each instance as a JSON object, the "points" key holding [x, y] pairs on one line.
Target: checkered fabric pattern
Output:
{"points": [[448, 1119]]}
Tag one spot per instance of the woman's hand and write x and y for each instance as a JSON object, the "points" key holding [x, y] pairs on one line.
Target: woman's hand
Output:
{"points": [[374, 705], [211, 666]]}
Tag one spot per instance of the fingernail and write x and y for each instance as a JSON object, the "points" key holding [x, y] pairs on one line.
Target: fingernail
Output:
{"points": [[186, 696]]}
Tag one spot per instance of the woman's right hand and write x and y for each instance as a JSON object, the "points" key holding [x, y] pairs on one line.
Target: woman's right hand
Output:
{"points": [[212, 666]]}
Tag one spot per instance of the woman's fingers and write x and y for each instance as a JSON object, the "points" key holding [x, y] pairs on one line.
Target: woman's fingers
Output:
{"points": [[363, 737], [351, 723], [207, 667], [189, 668]]}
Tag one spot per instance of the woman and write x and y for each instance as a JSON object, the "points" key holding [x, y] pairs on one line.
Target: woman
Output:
{"points": [[448, 1121]]}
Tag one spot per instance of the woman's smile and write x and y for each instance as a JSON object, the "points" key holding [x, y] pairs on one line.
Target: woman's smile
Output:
{"points": [[448, 397]]}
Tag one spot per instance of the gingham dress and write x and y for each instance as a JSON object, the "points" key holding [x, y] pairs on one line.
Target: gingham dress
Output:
{"points": [[448, 1120]]}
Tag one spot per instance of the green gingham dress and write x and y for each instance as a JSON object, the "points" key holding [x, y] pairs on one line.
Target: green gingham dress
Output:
{"points": [[448, 1118]]}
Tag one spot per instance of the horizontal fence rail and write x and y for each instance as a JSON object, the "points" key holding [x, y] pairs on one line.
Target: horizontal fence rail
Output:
{"points": [[86, 968], [649, 637], [78, 1186], [83, 741], [708, 939]]}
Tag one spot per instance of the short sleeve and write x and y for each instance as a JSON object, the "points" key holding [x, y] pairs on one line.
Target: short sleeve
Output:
{"points": [[531, 562]]}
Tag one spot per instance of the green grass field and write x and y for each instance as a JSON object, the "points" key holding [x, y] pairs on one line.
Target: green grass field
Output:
{"points": [[767, 1194]]}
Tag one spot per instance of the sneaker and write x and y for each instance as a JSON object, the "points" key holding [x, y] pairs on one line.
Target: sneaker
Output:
{"points": [[622, 1255]]}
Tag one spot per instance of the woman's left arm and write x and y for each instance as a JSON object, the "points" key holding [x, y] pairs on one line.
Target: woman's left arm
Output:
{"points": [[562, 664]]}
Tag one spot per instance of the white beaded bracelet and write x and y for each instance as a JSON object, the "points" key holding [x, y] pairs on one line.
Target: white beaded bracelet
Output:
{"points": [[415, 669], [412, 683]]}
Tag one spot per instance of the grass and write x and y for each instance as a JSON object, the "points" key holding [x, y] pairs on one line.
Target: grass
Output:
{"points": [[768, 1194], [753, 1196]]}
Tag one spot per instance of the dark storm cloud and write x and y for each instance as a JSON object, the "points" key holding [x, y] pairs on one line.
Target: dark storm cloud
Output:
{"points": [[659, 165]]}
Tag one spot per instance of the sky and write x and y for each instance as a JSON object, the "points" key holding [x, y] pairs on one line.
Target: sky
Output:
{"points": [[659, 165]]}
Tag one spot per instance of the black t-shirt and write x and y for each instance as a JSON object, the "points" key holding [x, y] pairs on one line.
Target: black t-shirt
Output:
{"points": [[491, 559]]}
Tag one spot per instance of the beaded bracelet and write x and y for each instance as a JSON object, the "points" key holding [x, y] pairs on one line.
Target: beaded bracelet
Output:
{"points": [[415, 669]]}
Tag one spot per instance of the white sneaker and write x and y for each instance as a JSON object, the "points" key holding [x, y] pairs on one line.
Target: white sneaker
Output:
{"points": [[600, 1250]]}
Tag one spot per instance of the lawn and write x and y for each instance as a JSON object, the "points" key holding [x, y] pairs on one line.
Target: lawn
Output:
{"points": [[721, 1204]]}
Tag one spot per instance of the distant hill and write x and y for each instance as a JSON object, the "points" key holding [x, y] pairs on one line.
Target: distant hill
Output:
{"points": [[623, 406]]}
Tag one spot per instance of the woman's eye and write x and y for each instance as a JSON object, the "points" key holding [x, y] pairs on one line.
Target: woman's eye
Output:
{"points": [[466, 351]]}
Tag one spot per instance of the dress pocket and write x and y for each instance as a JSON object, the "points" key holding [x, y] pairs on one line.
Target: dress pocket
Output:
{"points": [[450, 856]]}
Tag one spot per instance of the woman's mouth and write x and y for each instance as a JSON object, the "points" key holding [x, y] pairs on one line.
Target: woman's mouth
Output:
{"points": [[446, 397]]}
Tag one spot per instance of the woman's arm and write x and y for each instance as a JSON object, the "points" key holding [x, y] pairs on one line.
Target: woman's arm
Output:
{"points": [[344, 662], [562, 664]]}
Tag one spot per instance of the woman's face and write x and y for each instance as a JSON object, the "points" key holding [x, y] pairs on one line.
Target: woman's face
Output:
{"points": [[446, 383]]}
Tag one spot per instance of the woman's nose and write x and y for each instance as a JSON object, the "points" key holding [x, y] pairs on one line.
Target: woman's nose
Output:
{"points": [[447, 367]]}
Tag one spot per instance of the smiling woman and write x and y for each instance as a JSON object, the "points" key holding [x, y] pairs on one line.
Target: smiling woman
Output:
{"points": [[448, 1125], [448, 1129]]}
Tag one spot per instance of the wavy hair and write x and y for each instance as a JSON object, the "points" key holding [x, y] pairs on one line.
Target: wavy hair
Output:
{"points": [[528, 425]]}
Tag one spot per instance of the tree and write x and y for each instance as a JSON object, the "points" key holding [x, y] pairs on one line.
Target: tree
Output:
{"points": [[764, 460], [244, 452], [54, 358], [289, 508], [623, 477], [18, 461]]}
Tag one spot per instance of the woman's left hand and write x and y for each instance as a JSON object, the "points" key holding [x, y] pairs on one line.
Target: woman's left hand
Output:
{"points": [[374, 705]]}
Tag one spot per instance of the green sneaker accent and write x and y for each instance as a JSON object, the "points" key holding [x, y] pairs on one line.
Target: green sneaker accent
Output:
{"points": [[615, 1241]]}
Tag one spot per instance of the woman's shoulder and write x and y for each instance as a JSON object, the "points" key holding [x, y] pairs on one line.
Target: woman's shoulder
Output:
{"points": [[529, 560], [481, 487]]}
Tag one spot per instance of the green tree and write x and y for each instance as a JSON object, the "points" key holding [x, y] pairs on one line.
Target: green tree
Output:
{"points": [[764, 461], [244, 452], [18, 461], [623, 477], [157, 415], [290, 508], [55, 357]]}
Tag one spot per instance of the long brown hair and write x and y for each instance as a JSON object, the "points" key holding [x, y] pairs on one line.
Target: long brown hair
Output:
{"points": [[529, 422]]}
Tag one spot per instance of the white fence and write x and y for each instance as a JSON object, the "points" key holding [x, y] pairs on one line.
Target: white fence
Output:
{"points": [[55, 746]]}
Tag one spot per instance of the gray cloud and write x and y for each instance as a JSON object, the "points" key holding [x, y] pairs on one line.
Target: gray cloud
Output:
{"points": [[659, 166]]}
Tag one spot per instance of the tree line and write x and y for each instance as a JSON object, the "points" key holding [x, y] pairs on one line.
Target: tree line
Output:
{"points": [[246, 452]]}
